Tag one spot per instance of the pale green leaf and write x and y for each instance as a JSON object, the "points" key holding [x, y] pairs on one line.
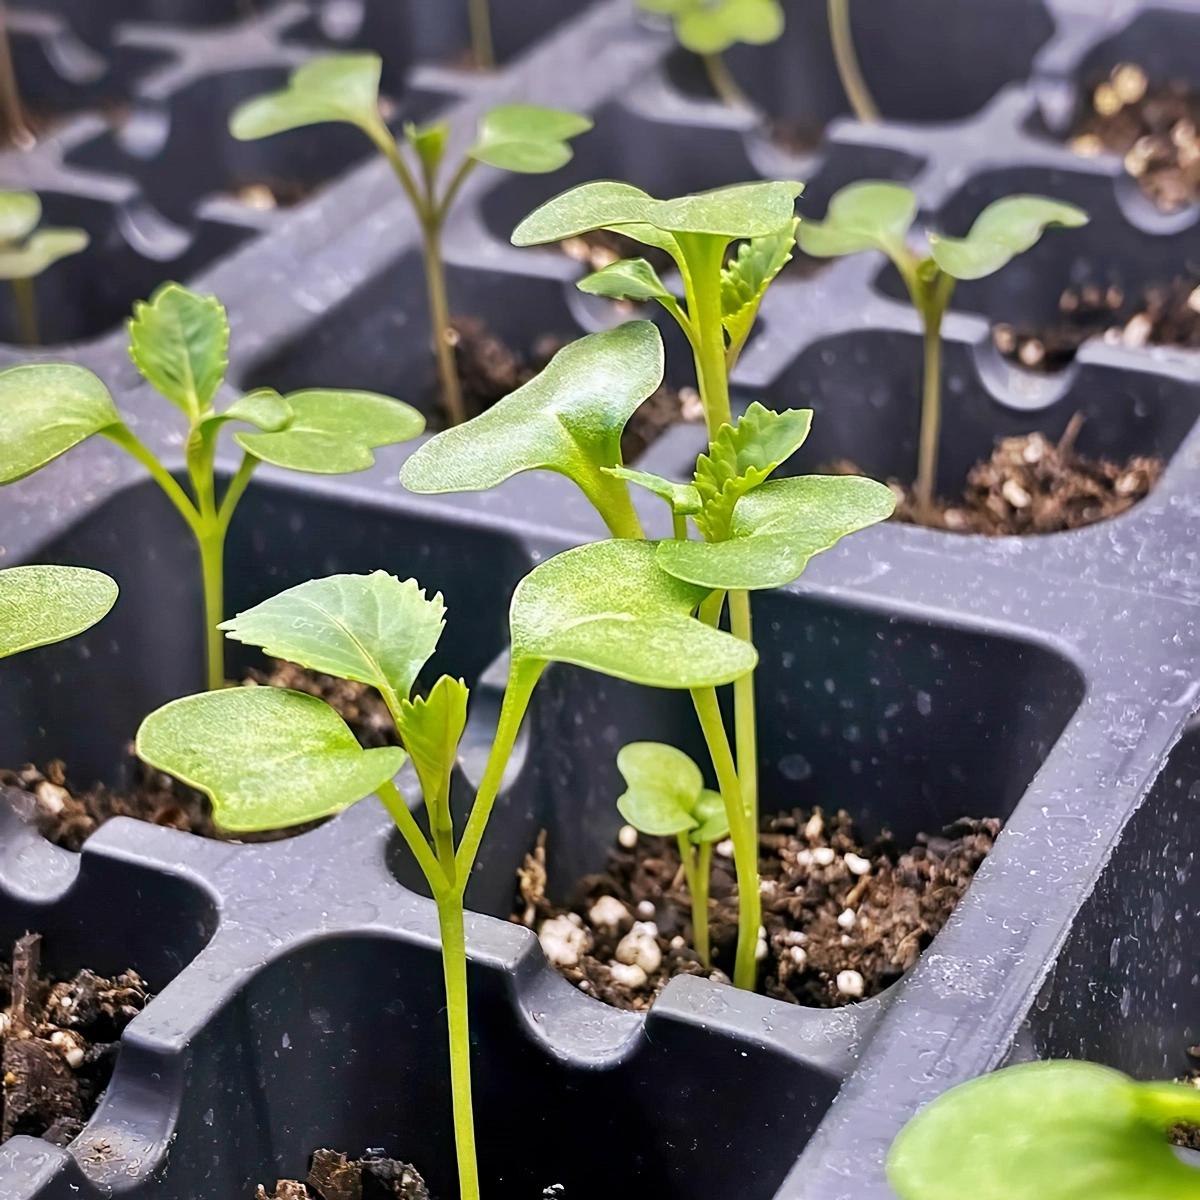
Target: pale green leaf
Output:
{"points": [[712, 26], [266, 757], [263, 408], [627, 279], [341, 87], [1003, 230], [333, 433], [683, 498], [869, 215], [19, 214], [527, 138], [608, 606], [44, 411], [429, 143], [1048, 1131], [431, 728], [44, 604], [42, 250], [369, 628], [744, 281], [777, 528], [180, 342], [714, 820], [662, 787]]}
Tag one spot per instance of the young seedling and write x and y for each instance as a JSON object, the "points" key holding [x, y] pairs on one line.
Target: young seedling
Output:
{"points": [[666, 795], [41, 605], [26, 251], [709, 27], [846, 57], [1048, 1131], [179, 342], [514, 137], [879, 216]]}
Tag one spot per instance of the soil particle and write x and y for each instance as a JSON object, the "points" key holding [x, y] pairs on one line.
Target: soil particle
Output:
{"points": [[59, 1041], [843, 918], [600, 248], [333, 1176]]}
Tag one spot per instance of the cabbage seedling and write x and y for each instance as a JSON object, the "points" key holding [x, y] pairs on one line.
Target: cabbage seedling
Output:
{"points": [[26, 251], [665, 795], [846, 57], [879, 216], [1048, 1131], [41, 605], [179, 343], [514, 137]]}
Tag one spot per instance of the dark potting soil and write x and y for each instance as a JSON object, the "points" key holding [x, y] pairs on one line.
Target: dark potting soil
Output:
{"points": [[59, 1042], [333, 1176], [844, 917], [1153, 126]]}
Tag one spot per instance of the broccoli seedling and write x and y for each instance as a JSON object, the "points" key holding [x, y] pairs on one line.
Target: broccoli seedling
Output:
{"points": [[179, 343], [41, 605], [26, 251], [879, 216], [1048, 1131], [523, 138]]}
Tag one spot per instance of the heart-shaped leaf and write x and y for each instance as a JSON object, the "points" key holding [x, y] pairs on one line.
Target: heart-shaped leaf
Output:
{"points": [[266, 757], [869, 215], [431, 728], [610, 607], [341, 87], [567, 419], [265, 409], [527, 138], [683, 498], [42, 250], [44, 411], [369, 628], [627, 279], [43, 604], [1048, 1131], [19, 214], [711, 26], [744, 281], [333, 433], [1003, 230], [180, 342], [777, 528], [662, 787]]}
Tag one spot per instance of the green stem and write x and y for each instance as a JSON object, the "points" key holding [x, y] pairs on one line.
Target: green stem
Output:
{"points": [[16, 131], [696, 867], [723, 83], [235, 490], [705, 254], [931, 418], [27, 312], [848, 67], [212, 566], [439, 319], [481, 34], [123, 436], [743, 709], [679, 526]]}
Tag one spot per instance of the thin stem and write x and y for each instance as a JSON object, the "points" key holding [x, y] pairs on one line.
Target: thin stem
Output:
{"points": [[705, 254], [450, 194], [848, 67], [481, 34], [931, 417], [28, 328], [679, 526], [439, 319], [16, 132], [411, 832], [743, 709], [212, 567], [723, 83], [235, 490], [124, 437], [696, 867]]}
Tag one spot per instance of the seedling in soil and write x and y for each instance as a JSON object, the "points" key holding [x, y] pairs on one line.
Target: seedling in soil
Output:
{"points": [[26, 251], [41, 605], [846, 57], [514, 137], [179, 343], [666, 796], [1048, 1131], [709, 27], [879, 216]]}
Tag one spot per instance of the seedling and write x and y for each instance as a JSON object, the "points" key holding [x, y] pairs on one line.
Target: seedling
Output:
{"points": [[846, 57], [179, 343], [514, 137], [41, 605], [26, 251], [709, 27], [879, 216], [666, 795], [1048, 1131]]}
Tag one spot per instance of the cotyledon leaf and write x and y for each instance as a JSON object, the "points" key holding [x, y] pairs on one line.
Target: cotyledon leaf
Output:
{"points": [[869, 215], [662, 785], [40, 605], [19, 214], [527, 138], [626, 279], [43, 249]]}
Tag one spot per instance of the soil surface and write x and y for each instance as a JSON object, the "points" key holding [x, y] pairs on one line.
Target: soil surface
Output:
{"points": [[332, 1176], [58, 1040], [1153, 126], [67, 814], [844, 917]]}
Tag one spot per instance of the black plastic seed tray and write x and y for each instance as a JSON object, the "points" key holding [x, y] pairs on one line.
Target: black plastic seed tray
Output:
{"points": [[910, 677]]}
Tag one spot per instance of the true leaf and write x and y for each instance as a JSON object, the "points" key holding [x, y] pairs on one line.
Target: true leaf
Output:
{"points": [[1048, 1131], [180, 342], [662, 787], [429, 143], [369, 628], [777, 528], [527, 138], [683, 498], [868, 215], [19, 214], [712, 26], [266, 757], [608, 606], [44, 411], [1003, 230], [431, 728], [744, 281], [44, 604], [333, 433], [42, 250], [627, 279]]}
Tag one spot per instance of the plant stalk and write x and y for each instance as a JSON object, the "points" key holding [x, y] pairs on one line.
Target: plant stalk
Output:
{"points": [[849, 70], [704, 254], [28, 328], [745, 720], [728, 90], [697, 866], [481, 34], [212, 566], [931, 417], [444, 338], [15, 132]]}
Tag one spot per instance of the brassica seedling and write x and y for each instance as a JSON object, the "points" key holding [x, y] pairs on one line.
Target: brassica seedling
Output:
{"points": [[879, 216], [26, 251], [665, 795], [849, 70], [523, 138], [1048, 1131], [179, 343], [40, 605]]}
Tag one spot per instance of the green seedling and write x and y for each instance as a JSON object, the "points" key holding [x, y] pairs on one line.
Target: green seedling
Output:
{"points": [[758, 533], [846, 57], [41, 605], [709, 27], [665, 795], [879, 216], [1048, 1131], [513, 137], [179, 342], [26, 251]]}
